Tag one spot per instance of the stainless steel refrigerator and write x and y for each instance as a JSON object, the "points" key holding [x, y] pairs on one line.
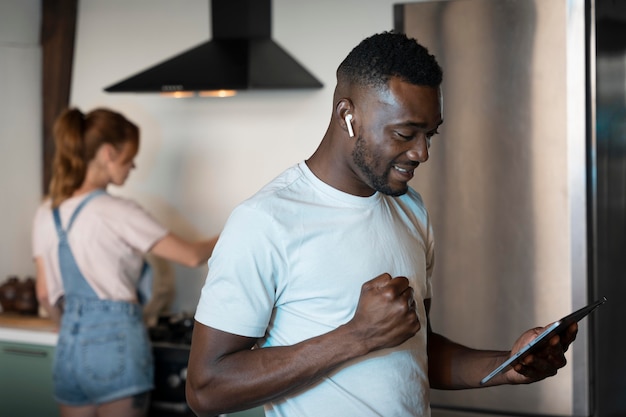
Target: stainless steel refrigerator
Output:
{"points": [[526, 187]]}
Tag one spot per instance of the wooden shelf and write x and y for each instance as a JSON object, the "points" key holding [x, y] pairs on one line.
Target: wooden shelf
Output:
{"points": [[26, 322]]}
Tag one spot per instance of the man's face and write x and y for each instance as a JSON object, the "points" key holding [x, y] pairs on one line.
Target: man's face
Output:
{"points": [[395, 131]]}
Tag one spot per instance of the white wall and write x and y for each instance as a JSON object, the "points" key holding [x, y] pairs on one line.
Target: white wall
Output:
{"points": [[20, 132], [198, 157]]}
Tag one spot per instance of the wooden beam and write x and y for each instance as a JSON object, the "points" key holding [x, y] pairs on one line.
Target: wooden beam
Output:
{"points": [[58, 30]]}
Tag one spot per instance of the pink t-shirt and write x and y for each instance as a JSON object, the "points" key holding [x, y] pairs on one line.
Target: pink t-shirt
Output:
{"points": [[109, 237]]}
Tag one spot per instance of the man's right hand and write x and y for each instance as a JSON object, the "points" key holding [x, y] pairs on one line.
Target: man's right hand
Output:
{"points": [[386, 315]]}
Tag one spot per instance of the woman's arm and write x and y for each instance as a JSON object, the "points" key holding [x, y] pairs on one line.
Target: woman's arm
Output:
{"points": [[184, 252], [41, 288]]}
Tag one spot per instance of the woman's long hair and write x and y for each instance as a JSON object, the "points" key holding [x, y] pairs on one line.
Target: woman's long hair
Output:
{"points": [[77, 138]]}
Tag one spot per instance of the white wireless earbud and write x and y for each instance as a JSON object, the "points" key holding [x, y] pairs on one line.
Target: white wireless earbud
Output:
{"points": [[349, 125]]}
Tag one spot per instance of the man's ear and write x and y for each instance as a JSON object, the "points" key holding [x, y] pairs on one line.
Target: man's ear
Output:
{"points": [[344, 111]]}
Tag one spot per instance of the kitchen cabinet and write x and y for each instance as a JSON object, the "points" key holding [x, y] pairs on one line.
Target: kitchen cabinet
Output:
{"points": [[26, 353], [26, 380]]}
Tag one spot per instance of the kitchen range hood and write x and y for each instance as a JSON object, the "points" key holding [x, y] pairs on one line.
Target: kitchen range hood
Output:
{"points": [[240, 56]]}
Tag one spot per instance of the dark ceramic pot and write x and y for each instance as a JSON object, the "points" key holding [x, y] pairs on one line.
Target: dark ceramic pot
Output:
{"points": [[26, 298], [8, 294]]}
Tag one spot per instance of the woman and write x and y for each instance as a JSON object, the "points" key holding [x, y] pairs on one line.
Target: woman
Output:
{"points": [[89, 250]]}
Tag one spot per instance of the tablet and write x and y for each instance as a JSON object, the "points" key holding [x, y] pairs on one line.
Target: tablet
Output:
{"points": [[554, 328]]}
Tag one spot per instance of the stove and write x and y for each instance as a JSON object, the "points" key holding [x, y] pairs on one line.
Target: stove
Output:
{"points": [[172, 329], [171, 343]]}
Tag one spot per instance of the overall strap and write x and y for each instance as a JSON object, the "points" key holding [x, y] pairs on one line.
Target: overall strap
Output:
{"points": [[81, 205], [57, 222], [57, 216], [74, 283]]}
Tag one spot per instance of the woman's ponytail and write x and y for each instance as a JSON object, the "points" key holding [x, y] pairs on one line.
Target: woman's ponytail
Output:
{"points": [[69, 165]]}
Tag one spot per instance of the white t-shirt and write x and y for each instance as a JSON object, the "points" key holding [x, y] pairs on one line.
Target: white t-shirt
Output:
{"points": [[109, 237], [289, 266]]}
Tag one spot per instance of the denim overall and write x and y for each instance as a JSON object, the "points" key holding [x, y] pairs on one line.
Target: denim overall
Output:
{"points": [[103, 352]]}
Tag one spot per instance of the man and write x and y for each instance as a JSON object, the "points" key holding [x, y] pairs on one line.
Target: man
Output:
{"points": [[318, 293]]}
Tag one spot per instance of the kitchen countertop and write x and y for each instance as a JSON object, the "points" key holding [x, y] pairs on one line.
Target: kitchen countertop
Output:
{"points": [[27, 329]]}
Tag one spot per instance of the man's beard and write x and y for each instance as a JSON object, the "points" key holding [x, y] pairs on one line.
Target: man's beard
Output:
{"points": [[361, 156]]}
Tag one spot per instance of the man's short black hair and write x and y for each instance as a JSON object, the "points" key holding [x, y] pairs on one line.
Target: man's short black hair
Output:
{"points": [[390, 54]]}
